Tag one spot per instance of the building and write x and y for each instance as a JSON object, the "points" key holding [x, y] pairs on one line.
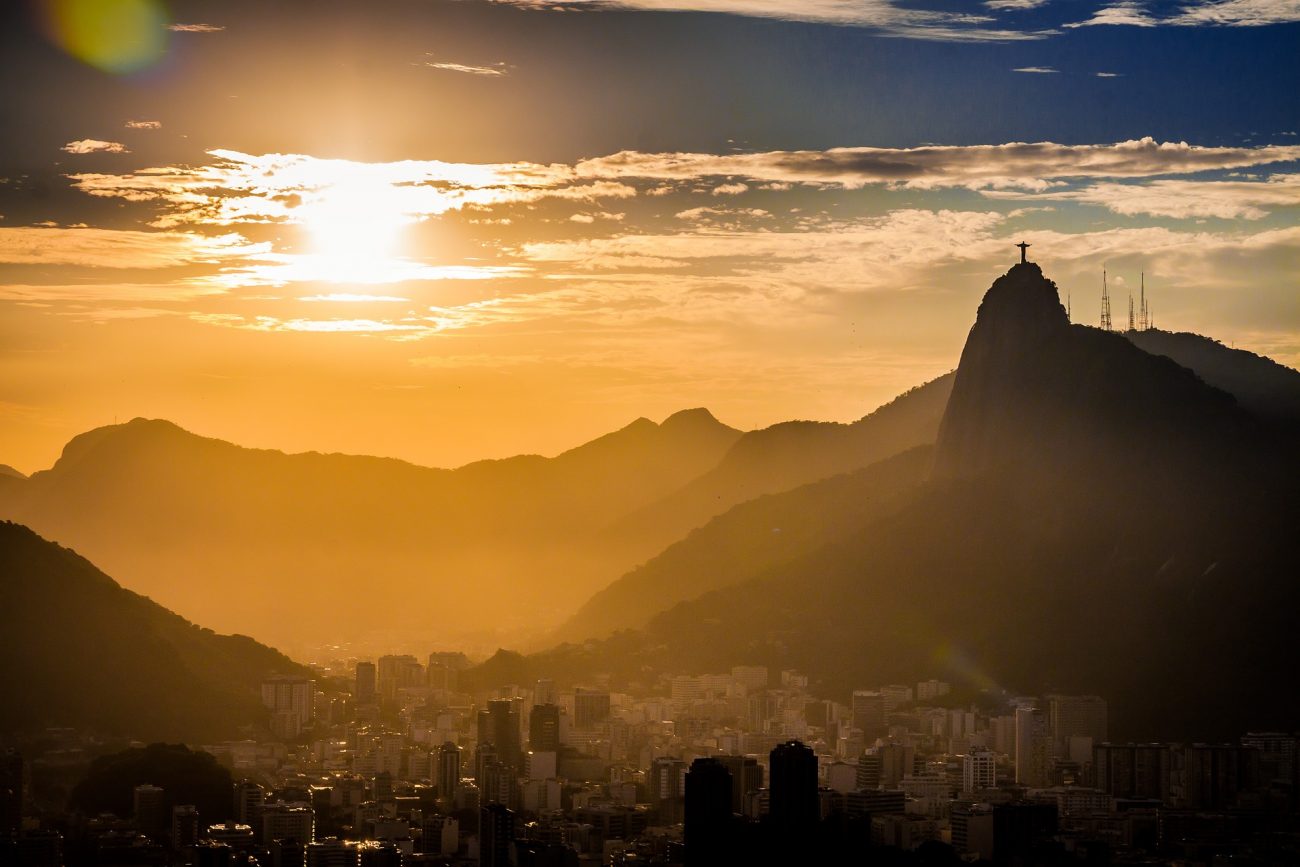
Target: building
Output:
{"points": [[149, 806], [708, 814], [590, 708], [895, 695], [439, 835], [544, 728], [1133, 771], [288, 822], [746, 776], [249, 797], [929, 690], [396, 672], [448, 771], [868, 770], [1071, 716], [333, 852], [1212, 776], [868, 714], [896, 763], [1033, 748], [496, 834], [979, 770], [367, 685], [185, 826], [666, 782], [295, 696], [972, 830], [498, 726], [751, 677], [795, 806]]}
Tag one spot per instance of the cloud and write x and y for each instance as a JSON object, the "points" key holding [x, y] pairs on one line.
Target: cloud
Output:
{"points": [[144, 124], [95, 146], [496, 69], [1016, 164], [196, 28], [1182, 200], [729, 213], [886, 16], [1108, 74], [116, 248], [730, 189], [1196, 13], [591, 218], [1014, 5], [1038, 69]]}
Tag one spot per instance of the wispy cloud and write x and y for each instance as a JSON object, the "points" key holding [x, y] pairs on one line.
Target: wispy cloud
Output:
{"points": [[1125, 13], [1183, 200], [1197, 13], [196, 28], [144, 124], [1038, 69], [95, 146], [493, 70], [887, 16], [1109, 74], [116, 248], [1014, 5]]}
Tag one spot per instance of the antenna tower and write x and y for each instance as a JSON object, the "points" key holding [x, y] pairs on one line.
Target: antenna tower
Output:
{"points": [[1144, 312], [1105, 303], [1130, 312], [1068, 317]]}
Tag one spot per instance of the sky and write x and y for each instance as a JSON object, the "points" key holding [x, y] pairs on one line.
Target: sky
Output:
{"points": [[447, 231]]}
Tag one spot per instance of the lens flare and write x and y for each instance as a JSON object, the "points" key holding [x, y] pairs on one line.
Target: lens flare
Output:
{"points": [[118, 36]]}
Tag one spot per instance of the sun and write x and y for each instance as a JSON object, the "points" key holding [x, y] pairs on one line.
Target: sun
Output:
{"points": [[357, 226]]}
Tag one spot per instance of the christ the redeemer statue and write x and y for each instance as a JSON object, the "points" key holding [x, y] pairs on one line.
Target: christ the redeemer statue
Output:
{"points": [[1023, 247]]}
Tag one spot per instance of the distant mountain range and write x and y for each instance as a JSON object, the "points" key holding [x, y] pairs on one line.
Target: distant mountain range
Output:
{"points": [[1098, 519], [313, 548], [79, 650]]}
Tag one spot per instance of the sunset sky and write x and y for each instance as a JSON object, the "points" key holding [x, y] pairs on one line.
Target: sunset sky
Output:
{"points": [[445, 231]]}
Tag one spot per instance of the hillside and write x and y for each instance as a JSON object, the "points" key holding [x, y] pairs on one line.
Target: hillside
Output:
{"points": [[433, 549], [82, 651], [1100, 520]]}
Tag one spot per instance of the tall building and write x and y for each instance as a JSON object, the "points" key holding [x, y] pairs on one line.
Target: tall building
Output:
{"points": [[398, 672], [868, 771], [367, 684], [185, 826], [708, 814], [1212, 776], [1132, 770], [544, 692], [1033, 748], [590, 708], [894, 695], [795, 805], [868, 709], [896, 763], [149, 806], [439, 835], [746, 776], [290, 695], [666, 782], [751, 677], [498, 725], [1071, 716], [448, 771], [544, 728], [928, 690], [249, 797], [979, 770], [288, 822], [496, 833]]}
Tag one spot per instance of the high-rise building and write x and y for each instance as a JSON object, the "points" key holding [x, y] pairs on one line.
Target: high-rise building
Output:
{"points": [[448, 771], [496, 833], [439, 835], [590, 708], [293, 821], [498, 725], [333, 852], [979, 770], [249, 797], [544, 692], [746, 776], [441, 674], [751, 677], [1033, 748], [795, 805], [286, 694], [185, 826], [868, 709], [149, 806], [708, 814], [544, 728], [868, 771], [398, 672], [928, 690], [1212, 776], [666, 782], [972, 830], [1132, 770], [367, 684], [895, 695], [1073, 716], [896, 763]]}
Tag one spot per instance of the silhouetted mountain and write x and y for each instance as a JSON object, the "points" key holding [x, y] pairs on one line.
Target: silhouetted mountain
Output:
{"points": [[780, 458], [750, 540], [10, 472], [185, 776], [285, 546], [1100, 520], [76, 649], [1260, 384]]}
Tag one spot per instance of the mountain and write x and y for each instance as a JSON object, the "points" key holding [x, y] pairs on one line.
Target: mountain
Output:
{"points": [[786, 456], [1099, 519], [79, 650], [1259, 384], [311, 547]]}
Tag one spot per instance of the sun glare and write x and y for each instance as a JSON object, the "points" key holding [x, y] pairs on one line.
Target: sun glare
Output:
{"points": [[356, 225]]}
